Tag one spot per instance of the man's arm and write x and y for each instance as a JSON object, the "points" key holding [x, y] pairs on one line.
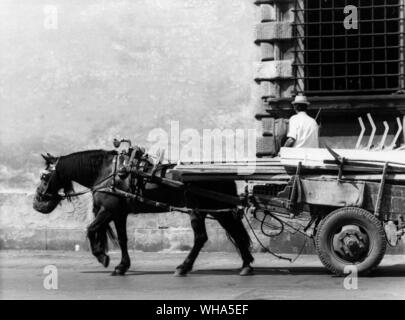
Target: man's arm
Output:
{"points": [[289, 143], [292, 132]]}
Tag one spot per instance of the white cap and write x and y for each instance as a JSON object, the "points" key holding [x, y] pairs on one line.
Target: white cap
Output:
{"points": [[300, 99]]}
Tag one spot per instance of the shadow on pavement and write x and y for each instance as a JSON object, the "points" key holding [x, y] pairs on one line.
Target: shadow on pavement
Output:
{"points": [[385, 271], [222, 272], [397, 270]]}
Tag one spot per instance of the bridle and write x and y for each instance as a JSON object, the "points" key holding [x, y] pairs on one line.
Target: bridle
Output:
{"points": [[46, 176], [142, 162], [49, 173]]}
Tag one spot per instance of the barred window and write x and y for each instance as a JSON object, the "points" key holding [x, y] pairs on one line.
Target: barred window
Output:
{"points": [[333, 60]]}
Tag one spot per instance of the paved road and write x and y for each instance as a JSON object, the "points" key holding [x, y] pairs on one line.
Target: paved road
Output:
{"points": [[215, 277]]}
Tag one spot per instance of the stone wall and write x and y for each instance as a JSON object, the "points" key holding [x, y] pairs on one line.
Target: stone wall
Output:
{"points": [[76, 74], [280, 58]]}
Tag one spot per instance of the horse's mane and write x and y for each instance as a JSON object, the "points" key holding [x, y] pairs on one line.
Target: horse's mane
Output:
{"points": [[83, 164], [89, 153]]}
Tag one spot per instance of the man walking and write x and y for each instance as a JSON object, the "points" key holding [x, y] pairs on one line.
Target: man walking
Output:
{"points": [[303, 131]]}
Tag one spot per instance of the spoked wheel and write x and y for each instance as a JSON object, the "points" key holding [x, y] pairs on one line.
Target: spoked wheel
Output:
{"points": [[350, 236]]}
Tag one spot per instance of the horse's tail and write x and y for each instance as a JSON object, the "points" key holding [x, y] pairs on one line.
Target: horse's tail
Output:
{"points": [[102, 236], [111, 234]]}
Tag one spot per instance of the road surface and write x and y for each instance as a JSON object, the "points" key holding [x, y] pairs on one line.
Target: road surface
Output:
{"points": [[80, 276]]}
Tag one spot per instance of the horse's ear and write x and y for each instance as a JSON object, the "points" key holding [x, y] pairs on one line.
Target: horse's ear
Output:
{"points": [[48, 158]]}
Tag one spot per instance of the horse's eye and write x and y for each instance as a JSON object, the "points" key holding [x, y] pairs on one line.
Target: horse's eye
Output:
{"points": [[44, 174]]}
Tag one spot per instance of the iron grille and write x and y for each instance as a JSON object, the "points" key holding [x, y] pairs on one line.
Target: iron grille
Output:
{"points": [[333, 60]]}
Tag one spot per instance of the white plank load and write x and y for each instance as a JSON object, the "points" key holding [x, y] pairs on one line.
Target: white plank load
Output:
{"points": [[262, 169], [359, 160]]}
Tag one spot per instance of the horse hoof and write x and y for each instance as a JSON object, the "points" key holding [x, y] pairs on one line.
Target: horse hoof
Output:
{"points": [[118, 272], [104, 260], [180, 273], [246, 271]]}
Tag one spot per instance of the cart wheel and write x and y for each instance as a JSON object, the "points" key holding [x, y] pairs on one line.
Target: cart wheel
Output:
{"points": [[350, 236]]}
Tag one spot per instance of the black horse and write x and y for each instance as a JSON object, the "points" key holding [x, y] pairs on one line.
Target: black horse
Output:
{"points": [[95, 169]]}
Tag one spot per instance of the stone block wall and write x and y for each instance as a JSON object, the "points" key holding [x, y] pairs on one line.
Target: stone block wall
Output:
{"points": [[275, 68]]}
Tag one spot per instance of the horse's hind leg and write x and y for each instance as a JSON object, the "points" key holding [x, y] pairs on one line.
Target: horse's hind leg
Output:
{"points": [[121, 225], [200, 237], [237, 231], [97, 233]]}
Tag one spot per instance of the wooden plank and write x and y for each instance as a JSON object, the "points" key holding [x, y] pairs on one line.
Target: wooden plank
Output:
{"points": [[264, 178], [319, 166], [227, 169], [357, 160], [363, 176], [231, 167], [256, 160], [320, 154]]}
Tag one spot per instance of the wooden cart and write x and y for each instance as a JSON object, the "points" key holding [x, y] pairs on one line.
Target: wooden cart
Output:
{"points": [[352, 216]]}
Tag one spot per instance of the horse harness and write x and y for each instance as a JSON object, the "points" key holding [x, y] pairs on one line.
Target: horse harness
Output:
{"points": [[133, 168]]}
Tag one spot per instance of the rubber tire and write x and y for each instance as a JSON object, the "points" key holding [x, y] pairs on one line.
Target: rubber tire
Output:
{"points": [[346, 216]]}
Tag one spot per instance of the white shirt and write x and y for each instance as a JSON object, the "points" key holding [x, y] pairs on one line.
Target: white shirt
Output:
{"points": [[304, 130]]}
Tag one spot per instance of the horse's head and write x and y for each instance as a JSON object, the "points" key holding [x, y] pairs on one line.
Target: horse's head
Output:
{"points": [[84, 168], [47, 195]]}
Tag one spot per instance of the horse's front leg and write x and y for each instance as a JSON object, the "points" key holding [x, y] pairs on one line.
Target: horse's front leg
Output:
{"points": [[97, 234], [200, 238], [121, 225]]}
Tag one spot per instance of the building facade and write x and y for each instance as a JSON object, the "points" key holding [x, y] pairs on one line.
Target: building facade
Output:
{"points": [[347, 71]]}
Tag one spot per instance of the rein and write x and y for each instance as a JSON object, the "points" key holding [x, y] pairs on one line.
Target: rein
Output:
{"points": [[95, 187], [75, 194], [92, 189]]}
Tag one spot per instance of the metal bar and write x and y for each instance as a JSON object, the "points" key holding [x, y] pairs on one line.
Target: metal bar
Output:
{"points": [[371, 20], [352, 62], [355, 76], [343, 92], [373, 52], [293, 197], [394, 141], [357, 35], [373, 130], [401, 45], [341, 168], [363, 129], [381, 191], [359, 7], [384, 137], [352, 49], [299, 32], [364, 91]]}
